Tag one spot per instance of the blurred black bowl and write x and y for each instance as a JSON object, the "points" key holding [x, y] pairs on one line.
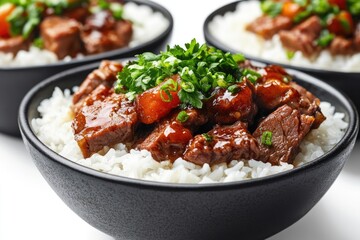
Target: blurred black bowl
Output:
{"points": [[349, 82], [15, 82], [135, 209]]}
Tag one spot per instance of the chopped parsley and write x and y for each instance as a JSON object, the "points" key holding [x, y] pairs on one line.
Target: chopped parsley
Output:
{"points": [[266, 138], [200, 67], [182, 116]]}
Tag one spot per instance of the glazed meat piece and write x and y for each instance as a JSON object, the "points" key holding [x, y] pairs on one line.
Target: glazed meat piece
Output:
{"points": [[273, 89], [342, 46], [102, 33], [169, 139], [104, 75], [79, 14], [124, 30], [14, 44], [288, 128], [302, 37], [105, 119], [227, 107], [222, 144], [267, 26], [309, 105], [61, 35]]}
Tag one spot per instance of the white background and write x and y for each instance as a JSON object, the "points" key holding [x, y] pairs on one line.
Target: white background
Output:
{"points": [[29, 209]]}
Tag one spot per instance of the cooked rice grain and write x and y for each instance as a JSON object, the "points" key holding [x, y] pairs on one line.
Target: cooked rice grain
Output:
{"points": [[54, 130]]}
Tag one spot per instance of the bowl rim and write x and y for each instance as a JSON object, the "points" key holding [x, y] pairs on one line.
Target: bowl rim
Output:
{"points": [[29, 136], [156, 7], [212, 40]]}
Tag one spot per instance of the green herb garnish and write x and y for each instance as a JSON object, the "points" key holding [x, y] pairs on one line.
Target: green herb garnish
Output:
{"points": [[182, 116], [251, 75], [234, 89], [325, 38], [354, 7], [290, 55], [38, 42], [266, 138], [201, 69], [271, 8], [207, 137]]}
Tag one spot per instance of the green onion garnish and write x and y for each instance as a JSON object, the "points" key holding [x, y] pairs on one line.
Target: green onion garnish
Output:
{"points": [[182, 116], [266, 138]]}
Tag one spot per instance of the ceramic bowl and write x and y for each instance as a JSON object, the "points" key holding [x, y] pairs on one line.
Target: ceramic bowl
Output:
{"points": [[128, 208]]}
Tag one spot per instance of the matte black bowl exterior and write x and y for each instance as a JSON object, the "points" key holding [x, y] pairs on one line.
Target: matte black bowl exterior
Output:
{"points": [[16, 82], [134, 209], [349, 82]]}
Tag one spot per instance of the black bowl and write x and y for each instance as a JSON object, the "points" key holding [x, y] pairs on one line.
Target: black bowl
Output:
{"points": [[16, 82], [135, 209], [349, 82]]}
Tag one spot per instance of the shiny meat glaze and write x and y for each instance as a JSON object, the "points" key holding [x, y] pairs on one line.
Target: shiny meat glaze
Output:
{"points": [[219, 132]]}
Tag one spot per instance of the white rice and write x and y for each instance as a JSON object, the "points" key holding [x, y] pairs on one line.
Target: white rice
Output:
{"points": [[54, 130], [230, 30], [147, 26]]}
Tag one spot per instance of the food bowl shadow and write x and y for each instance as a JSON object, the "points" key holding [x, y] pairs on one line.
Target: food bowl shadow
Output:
{"points": [[128, 208], [15, 82]]}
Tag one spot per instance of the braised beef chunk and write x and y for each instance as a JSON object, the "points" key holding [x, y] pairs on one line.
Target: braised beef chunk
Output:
{"points": [[125, 31], [302, 37], [104, 75], [13, 45], [222, 144], [267, 26], [103, 33], [169, 139], [61, 35], [105, 119], [342, 46], [309, 105], [79, 14], [288, 128], [227, 106]]}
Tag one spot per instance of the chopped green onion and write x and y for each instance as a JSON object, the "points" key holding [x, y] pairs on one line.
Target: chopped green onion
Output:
{"points": [[233, 89], [290, 55], [325, 38], [207, 137], [266, 138], [117, 10], [182, 116], [39, 43], [251, 75], [271, 7]]}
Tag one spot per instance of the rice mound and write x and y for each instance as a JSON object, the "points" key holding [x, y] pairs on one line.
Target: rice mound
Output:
{"points": [[54, 130], [230, 30], [147, 25]]}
